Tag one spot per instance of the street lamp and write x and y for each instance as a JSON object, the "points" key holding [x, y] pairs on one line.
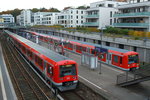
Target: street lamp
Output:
{"points": [[101, 34]]}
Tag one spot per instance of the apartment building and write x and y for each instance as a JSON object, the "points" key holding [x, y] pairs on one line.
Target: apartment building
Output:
{"points": [[45, 18], [135, 15], [71, 17], [6, 20], [25, 18], [100, 14]]}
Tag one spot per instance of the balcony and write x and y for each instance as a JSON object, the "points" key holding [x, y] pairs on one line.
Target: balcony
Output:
{"points": [[91, 24], [92, 16], [136, 14], [137, 25]]}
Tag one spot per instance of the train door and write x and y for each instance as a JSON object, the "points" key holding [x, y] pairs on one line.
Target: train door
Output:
{"points": [[49, 70], [117, 60]]}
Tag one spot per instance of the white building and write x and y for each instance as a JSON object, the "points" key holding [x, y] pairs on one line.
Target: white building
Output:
{"points": [[25, 18], [100, 14], [8, 18], [45, 18], [71, 17], [135, 15]]}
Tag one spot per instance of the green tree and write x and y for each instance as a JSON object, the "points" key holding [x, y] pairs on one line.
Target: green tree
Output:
{"points": [[35, 10], [83, 7]]}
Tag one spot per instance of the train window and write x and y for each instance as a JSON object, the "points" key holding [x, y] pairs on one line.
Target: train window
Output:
{"points": [[70, 45], [101, 55], [84, 49], [116, 59], [67, 70], [29, 54], [93, 51], [133, 59], [39, 61], [23, 49]]}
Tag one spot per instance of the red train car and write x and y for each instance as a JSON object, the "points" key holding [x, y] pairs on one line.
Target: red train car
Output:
{"points": [[120, 58], [61, 71]]}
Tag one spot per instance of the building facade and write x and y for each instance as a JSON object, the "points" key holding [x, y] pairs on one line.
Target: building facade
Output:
{"points": [[100, 14], [45, 18], [71, 17], [25, 18], [6, 20], [135, 15]]}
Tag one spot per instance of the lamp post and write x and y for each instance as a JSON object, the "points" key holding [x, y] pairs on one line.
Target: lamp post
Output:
{"points": [[100, 64]]}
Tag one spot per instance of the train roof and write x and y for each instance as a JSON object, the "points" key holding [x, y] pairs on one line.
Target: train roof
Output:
{"points": [[46, 52]]}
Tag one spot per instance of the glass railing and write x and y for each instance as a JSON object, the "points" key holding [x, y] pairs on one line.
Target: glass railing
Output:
{"points": [[133, 14], [92, 16], [91, 24], [131, 24]]}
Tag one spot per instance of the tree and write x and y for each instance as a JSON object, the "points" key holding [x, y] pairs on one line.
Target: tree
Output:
{"points": [[53, 10], [35, 10], [83, 7]]}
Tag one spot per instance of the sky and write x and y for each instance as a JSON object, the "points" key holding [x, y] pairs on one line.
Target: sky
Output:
{"points": [[29, 4]]}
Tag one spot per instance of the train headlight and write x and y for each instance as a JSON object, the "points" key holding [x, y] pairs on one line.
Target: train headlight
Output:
{"points": [[128, 65], [137, 64]]}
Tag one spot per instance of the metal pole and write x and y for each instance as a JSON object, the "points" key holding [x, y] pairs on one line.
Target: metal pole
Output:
{"points": [[100, 72]]}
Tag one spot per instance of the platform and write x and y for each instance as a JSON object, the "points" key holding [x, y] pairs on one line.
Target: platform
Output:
{"points": [[6, 88]]}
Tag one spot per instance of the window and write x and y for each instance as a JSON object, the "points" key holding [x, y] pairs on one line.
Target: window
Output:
{"points": [[23, 49], [81, 21], [110, 21], [67, 70], [77, 12], [29, 53], [39, 61], [110, 5], [81, 12], [77, 22], [111, 14], [133, 59], [116, 59], [77, 17]]}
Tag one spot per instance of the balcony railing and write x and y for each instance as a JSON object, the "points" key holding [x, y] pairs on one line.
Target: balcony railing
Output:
{"points": [[144, 25], [132, 14], [91, 24], [92, 16]]}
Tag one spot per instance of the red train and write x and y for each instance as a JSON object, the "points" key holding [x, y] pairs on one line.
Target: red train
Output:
{"points": [[120, 58], [61, 71]]}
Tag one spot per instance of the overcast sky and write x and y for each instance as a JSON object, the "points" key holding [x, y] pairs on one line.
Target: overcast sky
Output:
{"points": [[29, 4]]}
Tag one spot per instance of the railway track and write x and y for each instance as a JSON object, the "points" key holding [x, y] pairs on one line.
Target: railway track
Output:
{"points": [[27, 86]]}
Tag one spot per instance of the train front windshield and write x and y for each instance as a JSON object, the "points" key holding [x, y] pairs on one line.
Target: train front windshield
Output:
{"points": [[133, 59], [67, 70]]}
